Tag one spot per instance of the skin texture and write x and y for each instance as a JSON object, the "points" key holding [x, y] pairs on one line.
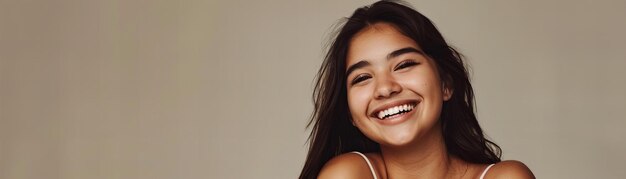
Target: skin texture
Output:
{"points": [[412, 144]]}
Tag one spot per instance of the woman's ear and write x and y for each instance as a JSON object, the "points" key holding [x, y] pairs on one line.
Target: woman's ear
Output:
{"points": [[447, 90]]}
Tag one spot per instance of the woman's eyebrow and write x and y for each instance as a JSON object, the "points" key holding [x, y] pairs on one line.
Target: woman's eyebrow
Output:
{"points": [[404, 50], [356, 66]]}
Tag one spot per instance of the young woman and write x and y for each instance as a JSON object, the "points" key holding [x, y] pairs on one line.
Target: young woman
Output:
{"points": [[393, 100]]}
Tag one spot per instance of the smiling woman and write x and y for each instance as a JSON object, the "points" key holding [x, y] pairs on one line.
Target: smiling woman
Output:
{"points": [[393, 100]]}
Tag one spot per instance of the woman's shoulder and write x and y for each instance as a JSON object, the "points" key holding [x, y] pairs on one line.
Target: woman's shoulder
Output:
{"points": [[509, 169], [347, 165]]}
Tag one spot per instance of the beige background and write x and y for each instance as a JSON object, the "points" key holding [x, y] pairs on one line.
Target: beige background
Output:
{"points": [[221, 89]]}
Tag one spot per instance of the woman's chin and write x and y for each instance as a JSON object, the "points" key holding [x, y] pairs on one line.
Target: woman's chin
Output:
{"points": [[399, 139], [400, 134]]}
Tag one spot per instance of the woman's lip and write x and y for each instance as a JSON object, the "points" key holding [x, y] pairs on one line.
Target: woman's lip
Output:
{"points": [[397, 118]]}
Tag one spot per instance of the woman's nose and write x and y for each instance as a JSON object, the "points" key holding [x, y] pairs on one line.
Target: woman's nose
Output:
{"points": [[386, 86]]}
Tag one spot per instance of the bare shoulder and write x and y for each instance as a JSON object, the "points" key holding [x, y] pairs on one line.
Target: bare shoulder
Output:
{"points": [[347, 165], [510, 169]]}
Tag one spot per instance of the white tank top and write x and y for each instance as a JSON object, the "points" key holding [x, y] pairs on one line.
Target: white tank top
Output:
{"points": [[376, 176]]}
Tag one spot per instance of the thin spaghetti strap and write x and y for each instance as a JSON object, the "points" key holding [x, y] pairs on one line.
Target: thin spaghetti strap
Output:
{"points": [[485, 171], [368, 163]]}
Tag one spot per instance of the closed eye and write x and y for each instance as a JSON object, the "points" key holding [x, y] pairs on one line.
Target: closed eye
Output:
{"points": [[405, 64], [360, 78]]}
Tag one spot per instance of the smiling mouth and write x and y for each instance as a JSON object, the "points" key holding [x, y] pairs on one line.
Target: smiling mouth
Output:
{"points": [[395, 111]]}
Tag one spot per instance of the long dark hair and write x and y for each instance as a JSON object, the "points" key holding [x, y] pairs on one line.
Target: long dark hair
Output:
{"points": [[332, 131]]}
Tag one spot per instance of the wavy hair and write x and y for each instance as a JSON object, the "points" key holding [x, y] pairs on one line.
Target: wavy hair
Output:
{"points": [[332, 131]]}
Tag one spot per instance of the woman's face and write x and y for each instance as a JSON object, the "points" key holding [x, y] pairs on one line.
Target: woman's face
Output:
{"points": [[395, 94]]}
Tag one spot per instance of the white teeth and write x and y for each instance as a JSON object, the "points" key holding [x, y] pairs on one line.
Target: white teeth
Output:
{"points": [[381, 115], [395, 110]]}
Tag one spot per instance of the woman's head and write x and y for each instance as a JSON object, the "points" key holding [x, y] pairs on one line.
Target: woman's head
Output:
{"points": [[386, 55], [394, 90]]}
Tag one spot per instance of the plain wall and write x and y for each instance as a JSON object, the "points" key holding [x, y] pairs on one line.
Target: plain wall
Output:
{"points": [[222, 89]]}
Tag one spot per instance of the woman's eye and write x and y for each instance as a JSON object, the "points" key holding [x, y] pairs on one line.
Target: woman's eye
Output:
{"points": [[405, 64], [360, 78]]}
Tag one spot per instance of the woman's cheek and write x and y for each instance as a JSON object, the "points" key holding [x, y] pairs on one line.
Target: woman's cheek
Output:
{"points": [[411, 81], [358, 101], [419, 81]]}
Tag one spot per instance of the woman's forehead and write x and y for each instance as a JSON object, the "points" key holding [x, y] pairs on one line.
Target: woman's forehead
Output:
{"points": [[376, 42]]}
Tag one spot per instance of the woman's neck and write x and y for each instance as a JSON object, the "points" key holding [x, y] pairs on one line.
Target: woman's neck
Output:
{"points": [[426, 158]]}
